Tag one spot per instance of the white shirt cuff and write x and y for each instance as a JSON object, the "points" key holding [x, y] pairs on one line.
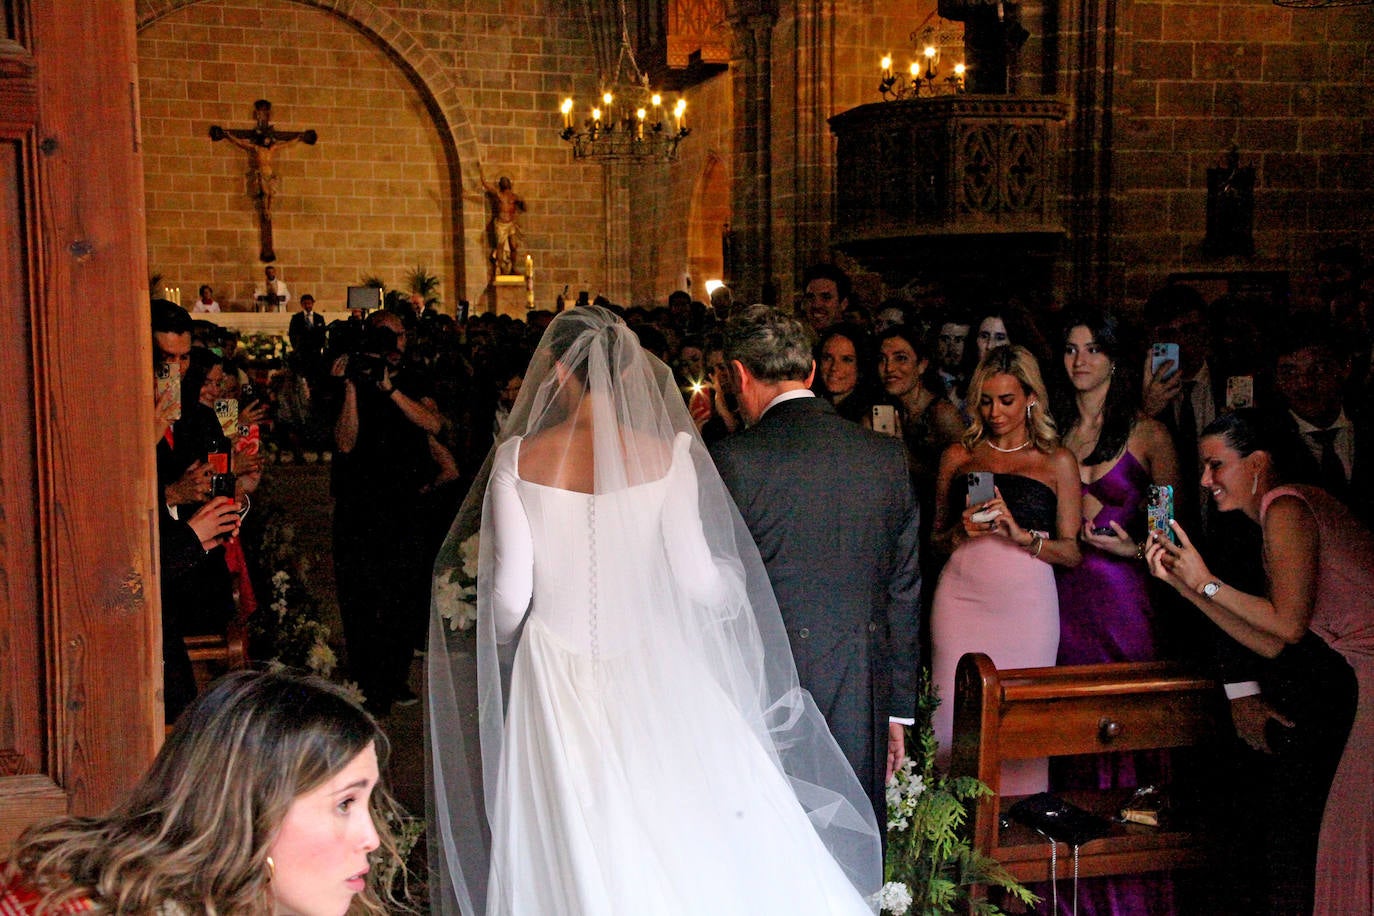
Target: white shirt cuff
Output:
{"points": [[1241, 689], [900, 720]]}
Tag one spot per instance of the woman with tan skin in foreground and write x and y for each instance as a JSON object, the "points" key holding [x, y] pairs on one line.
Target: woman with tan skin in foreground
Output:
{"points": [[1316, 623]]}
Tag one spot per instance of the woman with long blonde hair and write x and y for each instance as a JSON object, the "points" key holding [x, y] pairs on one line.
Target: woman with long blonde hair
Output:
{"points": [[266, 799], [997, 593]]}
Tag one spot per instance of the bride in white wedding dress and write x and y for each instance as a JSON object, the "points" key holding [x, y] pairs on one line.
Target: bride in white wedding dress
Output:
{"points": [[642, 745]]}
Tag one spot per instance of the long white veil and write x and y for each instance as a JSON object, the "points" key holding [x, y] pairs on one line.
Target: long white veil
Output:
{"points": [[629, 414]]}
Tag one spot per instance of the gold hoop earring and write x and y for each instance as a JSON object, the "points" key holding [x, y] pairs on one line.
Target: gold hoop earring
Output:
{"points": [[271, 869], [1254, 483]]}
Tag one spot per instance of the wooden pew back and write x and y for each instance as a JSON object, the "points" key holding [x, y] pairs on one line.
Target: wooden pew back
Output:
{"points": [[1082, 709]]}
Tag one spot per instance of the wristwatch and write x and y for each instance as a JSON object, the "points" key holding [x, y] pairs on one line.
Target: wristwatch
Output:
{"points": [[1209, 590]]}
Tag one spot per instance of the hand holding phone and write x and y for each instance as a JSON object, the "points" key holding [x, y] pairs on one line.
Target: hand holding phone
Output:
{"points": [[1162, 355], [215, 522]]}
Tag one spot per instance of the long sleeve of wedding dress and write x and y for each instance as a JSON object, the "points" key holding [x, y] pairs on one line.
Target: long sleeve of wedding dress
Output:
{"points": [[513, 545]]}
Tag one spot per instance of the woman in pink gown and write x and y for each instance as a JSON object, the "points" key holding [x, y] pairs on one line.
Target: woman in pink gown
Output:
{"points": [[1320, 565], [996, 594]]}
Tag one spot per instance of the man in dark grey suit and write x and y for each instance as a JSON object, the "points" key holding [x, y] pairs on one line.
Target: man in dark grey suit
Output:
{"points": [[831, 507]]}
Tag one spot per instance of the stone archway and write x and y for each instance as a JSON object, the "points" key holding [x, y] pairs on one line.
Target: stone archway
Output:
{"points": [[707, 220], [437, 91]]}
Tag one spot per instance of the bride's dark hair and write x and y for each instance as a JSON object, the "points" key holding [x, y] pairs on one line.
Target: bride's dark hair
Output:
{"points": [[573, 327]]}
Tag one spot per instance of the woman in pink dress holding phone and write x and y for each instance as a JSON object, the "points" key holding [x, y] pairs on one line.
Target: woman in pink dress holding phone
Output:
{"points": [[997, 593]]}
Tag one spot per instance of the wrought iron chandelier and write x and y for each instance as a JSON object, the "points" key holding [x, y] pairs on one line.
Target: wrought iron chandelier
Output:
{"points": [[924, 76], [630, 121]]}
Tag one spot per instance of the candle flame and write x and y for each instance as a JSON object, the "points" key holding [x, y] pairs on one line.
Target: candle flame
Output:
{"points": [[567, 106]]}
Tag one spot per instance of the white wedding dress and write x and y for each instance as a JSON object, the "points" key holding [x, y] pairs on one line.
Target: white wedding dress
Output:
{"points": [[629, 780]]}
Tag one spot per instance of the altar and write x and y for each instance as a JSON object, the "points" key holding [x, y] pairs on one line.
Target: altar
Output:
{"points": [[269, 323]]}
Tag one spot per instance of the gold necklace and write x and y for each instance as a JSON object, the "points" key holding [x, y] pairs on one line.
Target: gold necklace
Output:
{"points": [[1005, 451]]}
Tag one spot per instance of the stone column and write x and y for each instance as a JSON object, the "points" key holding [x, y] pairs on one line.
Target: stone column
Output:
{"points": [[751, 193]]}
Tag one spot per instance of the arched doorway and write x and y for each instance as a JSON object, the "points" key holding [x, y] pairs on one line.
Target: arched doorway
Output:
{"points": [[708, 223]]}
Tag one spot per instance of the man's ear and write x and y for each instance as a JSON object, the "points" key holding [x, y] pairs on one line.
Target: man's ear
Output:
{"points": [[811, 376], [739, 374]]}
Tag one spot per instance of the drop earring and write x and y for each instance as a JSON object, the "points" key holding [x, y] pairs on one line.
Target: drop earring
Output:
{"points": [[1254, 483], [1028, 411], [271, 869]]}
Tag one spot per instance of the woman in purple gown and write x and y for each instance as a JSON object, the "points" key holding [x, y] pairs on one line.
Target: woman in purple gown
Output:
{"points": [[1104, 605]]}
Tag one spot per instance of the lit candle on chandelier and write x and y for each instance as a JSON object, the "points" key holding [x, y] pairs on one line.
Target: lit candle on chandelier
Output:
{"points": [[567, 113], [680, 112], [959, 71], [886, 64], [639, 123], [930, 54]]}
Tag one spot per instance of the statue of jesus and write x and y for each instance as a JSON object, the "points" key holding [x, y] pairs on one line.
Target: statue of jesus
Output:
{"points": [[261, 142], [506, 236]]}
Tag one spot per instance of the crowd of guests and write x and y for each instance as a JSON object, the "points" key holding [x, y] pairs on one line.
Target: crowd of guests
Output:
{"points": [[1256, 422]]}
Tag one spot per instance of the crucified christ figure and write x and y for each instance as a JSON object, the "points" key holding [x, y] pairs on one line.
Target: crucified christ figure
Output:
{"points": [[505, 232], [260, 142]]}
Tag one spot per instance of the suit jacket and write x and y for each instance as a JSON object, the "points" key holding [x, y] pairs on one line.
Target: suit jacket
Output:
{"points": [[307, 333], [831, 508]]}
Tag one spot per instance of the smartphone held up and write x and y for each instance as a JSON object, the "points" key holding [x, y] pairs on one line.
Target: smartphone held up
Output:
{"points": [[1159, 512]]}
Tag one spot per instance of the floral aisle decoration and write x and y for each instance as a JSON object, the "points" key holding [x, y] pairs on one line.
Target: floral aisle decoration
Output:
{"points": [[290, 631], [456, 593], [263, 347], [930, 860]]}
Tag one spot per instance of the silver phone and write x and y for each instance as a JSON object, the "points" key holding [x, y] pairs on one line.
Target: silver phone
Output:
{"points": [[980, 488]]}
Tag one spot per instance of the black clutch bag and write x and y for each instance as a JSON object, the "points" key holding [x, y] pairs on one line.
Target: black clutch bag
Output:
{"points": [[1059, 820]]}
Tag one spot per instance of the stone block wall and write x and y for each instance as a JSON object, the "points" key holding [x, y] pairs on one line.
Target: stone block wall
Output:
{"points": [[371, 197], [1290, 89], [668, 199], [414, 104]]}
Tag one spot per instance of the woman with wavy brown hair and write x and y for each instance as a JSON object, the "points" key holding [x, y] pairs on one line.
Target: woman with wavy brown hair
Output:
{"points": [[266, 798]]}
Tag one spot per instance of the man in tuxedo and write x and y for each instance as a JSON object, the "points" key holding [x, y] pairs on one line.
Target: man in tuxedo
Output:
{"points": [[307, 335], [1311, 370], [831, 508]]}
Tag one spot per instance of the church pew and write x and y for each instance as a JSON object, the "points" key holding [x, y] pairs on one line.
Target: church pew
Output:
{"points": [[1084, 709]]}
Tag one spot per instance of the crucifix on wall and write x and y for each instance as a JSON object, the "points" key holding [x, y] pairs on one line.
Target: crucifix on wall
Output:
{"points": [[261, 142]]}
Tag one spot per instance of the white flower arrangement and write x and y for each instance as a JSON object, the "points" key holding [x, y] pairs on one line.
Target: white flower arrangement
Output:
{"points": [[294, 634], [895, 898], [456, 594], [930, 861]]}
